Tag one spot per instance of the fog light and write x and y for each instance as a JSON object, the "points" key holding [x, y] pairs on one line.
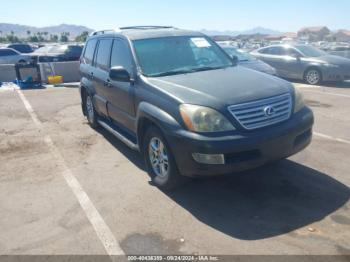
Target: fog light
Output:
{"points": [[210, 159]]}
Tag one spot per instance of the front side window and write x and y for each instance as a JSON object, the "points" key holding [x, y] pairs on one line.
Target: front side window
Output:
{"points": [[121, 55], [310, 51], [103, 54], [179, 55]]}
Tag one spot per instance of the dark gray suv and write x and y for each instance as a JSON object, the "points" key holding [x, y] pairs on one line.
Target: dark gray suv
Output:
{"points": [[179, 99]]}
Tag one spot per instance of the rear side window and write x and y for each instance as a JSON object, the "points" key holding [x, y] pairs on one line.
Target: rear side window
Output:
{"points": [[75, 50], [7, 52], [121, 55], [22, 48], [104, 54], [276, 50], [89, 51]]}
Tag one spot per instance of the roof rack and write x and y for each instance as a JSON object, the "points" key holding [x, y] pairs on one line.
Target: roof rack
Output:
{"points": [[146, 27], [107, 31]]}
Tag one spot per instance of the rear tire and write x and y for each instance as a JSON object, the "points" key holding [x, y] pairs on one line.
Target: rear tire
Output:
{"points": [[313, 76], [91, 113], [160, 161]]}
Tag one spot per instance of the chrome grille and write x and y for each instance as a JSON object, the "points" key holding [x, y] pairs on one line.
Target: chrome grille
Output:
{"points": [[264, 112]]}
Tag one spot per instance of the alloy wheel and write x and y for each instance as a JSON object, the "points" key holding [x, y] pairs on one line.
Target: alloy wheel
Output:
{"points": [[90, 109], [313, 77], [158, 157]]}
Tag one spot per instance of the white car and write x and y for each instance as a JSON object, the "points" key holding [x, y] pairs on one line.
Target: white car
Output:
{"points": [[11, 56]]}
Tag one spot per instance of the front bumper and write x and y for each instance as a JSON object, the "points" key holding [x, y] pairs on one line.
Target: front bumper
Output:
{"points": [[243, 150], [335, 74]]}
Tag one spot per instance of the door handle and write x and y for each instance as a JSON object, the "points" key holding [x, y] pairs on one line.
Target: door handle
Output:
{"points": [[92, 75], [108, 83]]}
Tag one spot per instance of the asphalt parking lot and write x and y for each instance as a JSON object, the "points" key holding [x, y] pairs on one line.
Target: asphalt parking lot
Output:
{"points": [[68, 189]]}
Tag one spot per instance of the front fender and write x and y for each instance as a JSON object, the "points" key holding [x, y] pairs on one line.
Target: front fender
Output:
{"points": [[157, 116]]}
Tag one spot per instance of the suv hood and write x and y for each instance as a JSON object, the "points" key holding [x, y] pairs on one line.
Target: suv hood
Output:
{"points": [[222, 87]]}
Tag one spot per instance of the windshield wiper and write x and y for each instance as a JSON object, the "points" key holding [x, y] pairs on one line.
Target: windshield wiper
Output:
{"points": [[186, 71], [172, 72]]}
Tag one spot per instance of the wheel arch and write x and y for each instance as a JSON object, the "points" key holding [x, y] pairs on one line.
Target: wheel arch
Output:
{"points": [[149, 115]]}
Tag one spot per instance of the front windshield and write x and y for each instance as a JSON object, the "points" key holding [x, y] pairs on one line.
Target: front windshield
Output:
{"points": [[242, 56], [310, 51], [179, 55]]}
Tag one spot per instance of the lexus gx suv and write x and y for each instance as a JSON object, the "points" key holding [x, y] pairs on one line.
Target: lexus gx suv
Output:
{"points": [[182, 102]]}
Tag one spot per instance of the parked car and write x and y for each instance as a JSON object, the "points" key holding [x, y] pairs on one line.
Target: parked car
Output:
{"points": [[305, 62], [58, 53], [11, 56], [22, 48], [180, 100], [249, 61]]}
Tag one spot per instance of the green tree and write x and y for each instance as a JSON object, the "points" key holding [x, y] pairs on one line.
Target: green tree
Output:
{"points": [[54, 38], [82, 37], [64, 37]]}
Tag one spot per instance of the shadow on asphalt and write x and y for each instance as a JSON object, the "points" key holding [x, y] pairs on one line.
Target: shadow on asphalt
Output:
{"points": [[262, 203]]}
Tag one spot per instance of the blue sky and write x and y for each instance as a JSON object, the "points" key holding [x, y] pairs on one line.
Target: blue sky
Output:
{"points": [[283, 15]]}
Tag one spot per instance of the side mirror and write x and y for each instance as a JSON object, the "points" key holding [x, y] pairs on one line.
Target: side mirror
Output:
{"points": [[119, 73], [234, 59]]}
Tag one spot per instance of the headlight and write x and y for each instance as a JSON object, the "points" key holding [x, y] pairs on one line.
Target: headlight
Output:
{"points": [[299, 100], [204, 119]]}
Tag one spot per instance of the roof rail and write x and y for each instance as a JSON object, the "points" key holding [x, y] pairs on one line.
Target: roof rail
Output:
{"points": [[146, 27], [107, 31]]}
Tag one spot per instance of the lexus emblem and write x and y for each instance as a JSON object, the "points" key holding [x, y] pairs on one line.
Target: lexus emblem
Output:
{"points": [[269, 111]]}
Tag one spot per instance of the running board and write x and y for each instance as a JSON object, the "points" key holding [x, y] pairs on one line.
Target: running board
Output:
{"points": [[118, 135]]}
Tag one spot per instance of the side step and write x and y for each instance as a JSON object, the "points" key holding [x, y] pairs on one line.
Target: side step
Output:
{"points": [[118, 135]]}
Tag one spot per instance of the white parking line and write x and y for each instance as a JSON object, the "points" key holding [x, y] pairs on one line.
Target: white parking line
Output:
{"points": [[101, 228], [331, 138]]}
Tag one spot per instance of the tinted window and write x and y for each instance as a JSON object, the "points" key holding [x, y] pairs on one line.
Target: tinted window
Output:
{"points": [[310, 51], [292, 52], [22, 48], [7, 52], [121, 55], [75, 50], [275, 50], [89, 51], [103, 54]]}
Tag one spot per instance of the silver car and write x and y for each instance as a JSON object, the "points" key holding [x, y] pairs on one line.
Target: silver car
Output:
{"points": [[11, 56], [247, 60], [305, 62]]}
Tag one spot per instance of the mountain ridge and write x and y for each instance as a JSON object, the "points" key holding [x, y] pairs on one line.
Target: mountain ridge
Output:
{"points": [[21, 30]]}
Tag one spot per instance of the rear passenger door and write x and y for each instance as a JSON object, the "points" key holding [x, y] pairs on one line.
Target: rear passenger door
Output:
{"points": [[121, 94], [101, 73]]}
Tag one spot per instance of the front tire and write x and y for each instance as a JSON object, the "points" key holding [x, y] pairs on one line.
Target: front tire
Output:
{"points": [[160, 161], [313, 76], [91, 113]]}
